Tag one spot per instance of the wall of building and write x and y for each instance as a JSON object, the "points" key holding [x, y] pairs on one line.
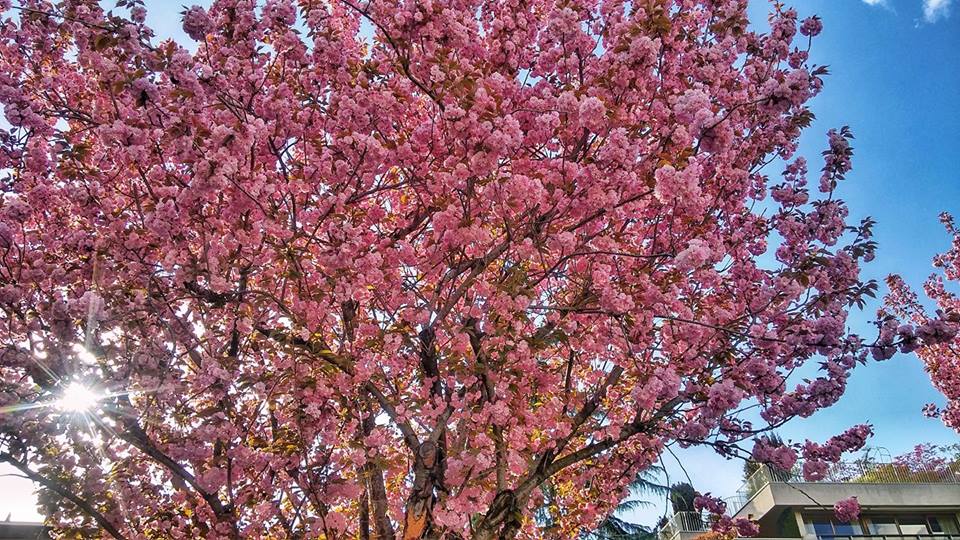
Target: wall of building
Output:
{"points": [[774, 497]]}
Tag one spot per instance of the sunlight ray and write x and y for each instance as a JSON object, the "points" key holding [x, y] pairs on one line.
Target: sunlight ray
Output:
{"points": [[24, 407]]}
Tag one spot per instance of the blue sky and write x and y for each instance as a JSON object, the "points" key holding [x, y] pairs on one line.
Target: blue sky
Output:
{"points": [[895, 79]]}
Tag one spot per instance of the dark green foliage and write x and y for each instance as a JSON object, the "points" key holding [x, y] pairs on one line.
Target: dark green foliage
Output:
{"points": [[682, 496], [615, 528]]}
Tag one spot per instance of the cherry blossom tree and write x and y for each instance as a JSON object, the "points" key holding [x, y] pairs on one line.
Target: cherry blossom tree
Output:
{"points": [[933, 336], [369, 269]]}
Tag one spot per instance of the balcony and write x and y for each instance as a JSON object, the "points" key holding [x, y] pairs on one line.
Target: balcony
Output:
{"points": [[684, 525], [889, 537], [880, 486], [875, 484]]}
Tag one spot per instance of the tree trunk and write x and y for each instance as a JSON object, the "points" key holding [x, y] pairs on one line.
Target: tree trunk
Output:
{"points": [[375, 491]]}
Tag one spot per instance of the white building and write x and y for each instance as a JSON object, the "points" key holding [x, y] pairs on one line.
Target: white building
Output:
{"points": [[896, 503]]}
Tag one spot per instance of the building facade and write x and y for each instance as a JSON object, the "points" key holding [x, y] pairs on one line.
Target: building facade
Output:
{"points": [[897, 503], [19, 530]]}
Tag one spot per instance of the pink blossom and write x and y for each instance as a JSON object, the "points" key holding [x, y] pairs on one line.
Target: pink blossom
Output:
{"points": [[746, 528], [847, 510], [710, 504], [814, 470], [934, 336], [592, 113], [197, 23], [781, 457], [694, 255], [811, 26]]}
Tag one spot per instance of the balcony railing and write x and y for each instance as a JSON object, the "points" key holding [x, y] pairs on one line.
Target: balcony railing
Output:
{"points": [[684, 522]]}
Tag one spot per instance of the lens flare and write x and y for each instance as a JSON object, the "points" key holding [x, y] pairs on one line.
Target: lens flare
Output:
{"points": [[77, 398]]}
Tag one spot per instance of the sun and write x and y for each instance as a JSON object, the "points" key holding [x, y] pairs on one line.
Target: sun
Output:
{"points": [[77, 398]]}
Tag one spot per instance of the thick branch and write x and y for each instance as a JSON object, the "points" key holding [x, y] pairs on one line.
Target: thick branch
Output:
{"points": [[375, 490], [62, 491], [135, 435]]}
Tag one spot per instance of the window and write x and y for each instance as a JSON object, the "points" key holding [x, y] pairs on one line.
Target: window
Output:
{"points": [[910, 525], [943, 524], [822, 528], [827, 527], [847, 529], [883, 525]]}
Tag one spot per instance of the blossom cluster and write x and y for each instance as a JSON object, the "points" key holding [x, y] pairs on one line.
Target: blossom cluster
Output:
{"points": [[933, 336], [779, 456], [817, 457], [721, 523], [847, 510]]}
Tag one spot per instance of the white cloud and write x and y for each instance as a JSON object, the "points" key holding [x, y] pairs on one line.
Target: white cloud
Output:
{"points": [[885, 4], [934, 10]]}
